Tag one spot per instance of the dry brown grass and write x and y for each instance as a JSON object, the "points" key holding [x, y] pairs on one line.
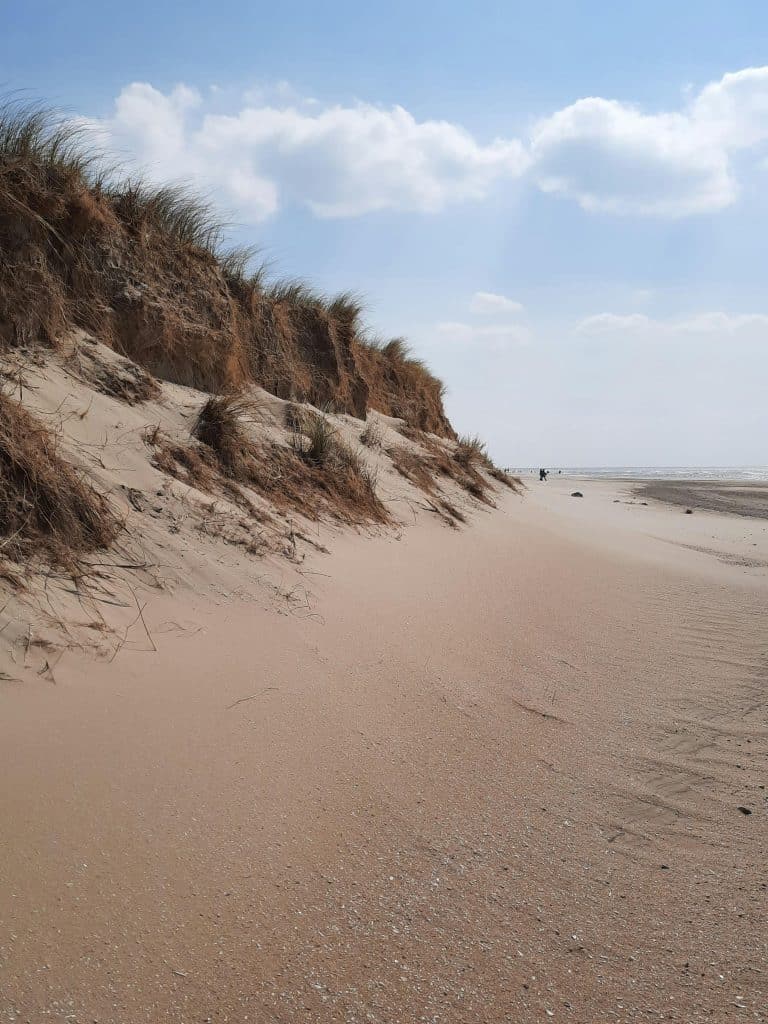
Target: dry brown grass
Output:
{"points": [[400, 385], [417, 468], [47, 508], [219, 426], [307, 476], [472, 451], [458, 463], [465, 462], [451, 511], [513, 482], [336, 470], [207, 469], [421, 470]]}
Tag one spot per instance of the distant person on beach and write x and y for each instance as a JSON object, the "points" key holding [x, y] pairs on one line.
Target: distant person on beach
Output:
{"points": [[542, 475]]}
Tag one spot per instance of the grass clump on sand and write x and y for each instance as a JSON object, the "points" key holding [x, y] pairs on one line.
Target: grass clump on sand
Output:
{"points": [[335, 469], [316, 473], [46, 506], [464, 462], [458, 463], [219, 426], [471, 450], [419, 469]]}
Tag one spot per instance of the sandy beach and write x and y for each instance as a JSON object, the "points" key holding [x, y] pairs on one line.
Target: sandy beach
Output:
{"points": [[313, 708], [511, 772]]}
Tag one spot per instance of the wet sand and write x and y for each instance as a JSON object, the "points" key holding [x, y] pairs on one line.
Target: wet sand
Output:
{"points": [[729, 497], [499, 774]]}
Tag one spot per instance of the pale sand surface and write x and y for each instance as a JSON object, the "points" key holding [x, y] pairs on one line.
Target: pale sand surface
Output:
{"points": [[486, 775]]}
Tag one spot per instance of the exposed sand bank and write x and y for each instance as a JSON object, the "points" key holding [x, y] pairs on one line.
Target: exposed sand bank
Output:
{"points": [[487, 775], [733, 498]]}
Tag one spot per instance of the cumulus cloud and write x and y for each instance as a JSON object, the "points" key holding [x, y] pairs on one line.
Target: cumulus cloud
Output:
{"points": [[714, 323], [613, 157], [488, 302], [339, 161], [734, 110], [277, 148]]}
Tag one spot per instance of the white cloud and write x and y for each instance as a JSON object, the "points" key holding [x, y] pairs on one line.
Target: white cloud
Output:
{"points": [[715, 323], [734, 111], [340, 161], [277, 147], [610, 157], [488, 302], [496, 336]]}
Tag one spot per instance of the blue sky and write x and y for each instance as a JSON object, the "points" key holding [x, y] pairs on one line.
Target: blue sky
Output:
{"points": [[561, 205]]}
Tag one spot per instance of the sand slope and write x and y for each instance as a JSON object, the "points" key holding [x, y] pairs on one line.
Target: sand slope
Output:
{"points": [[478, 776]]}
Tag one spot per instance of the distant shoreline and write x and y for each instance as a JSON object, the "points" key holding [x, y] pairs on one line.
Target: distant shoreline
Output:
{"points": [[658, 474]]}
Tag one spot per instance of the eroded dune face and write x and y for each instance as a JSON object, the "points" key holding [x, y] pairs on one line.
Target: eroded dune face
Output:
{"points": [[143, 270]]}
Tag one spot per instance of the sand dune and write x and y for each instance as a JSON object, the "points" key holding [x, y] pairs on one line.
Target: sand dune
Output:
{"points": [[485, 775]]}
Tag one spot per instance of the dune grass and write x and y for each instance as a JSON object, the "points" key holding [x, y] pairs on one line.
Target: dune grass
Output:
{"points": [[315, 474], [47, 508], [337, 469], [174, 211]]}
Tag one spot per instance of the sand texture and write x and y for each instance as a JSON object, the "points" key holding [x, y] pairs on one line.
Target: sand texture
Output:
{"points": [[500, 773]]}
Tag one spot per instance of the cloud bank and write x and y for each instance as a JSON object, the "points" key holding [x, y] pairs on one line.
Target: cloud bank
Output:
{"points": [[338, 161], [606, 155]]}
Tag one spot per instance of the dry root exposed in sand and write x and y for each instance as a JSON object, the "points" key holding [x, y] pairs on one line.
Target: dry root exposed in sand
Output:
{"points": [[47, 508], [316, 474]]}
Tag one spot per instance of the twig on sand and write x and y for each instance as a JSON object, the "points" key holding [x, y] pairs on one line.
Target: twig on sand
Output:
{"points": [[124, 639], [141, 616], [535, 711], [251, 696]]}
